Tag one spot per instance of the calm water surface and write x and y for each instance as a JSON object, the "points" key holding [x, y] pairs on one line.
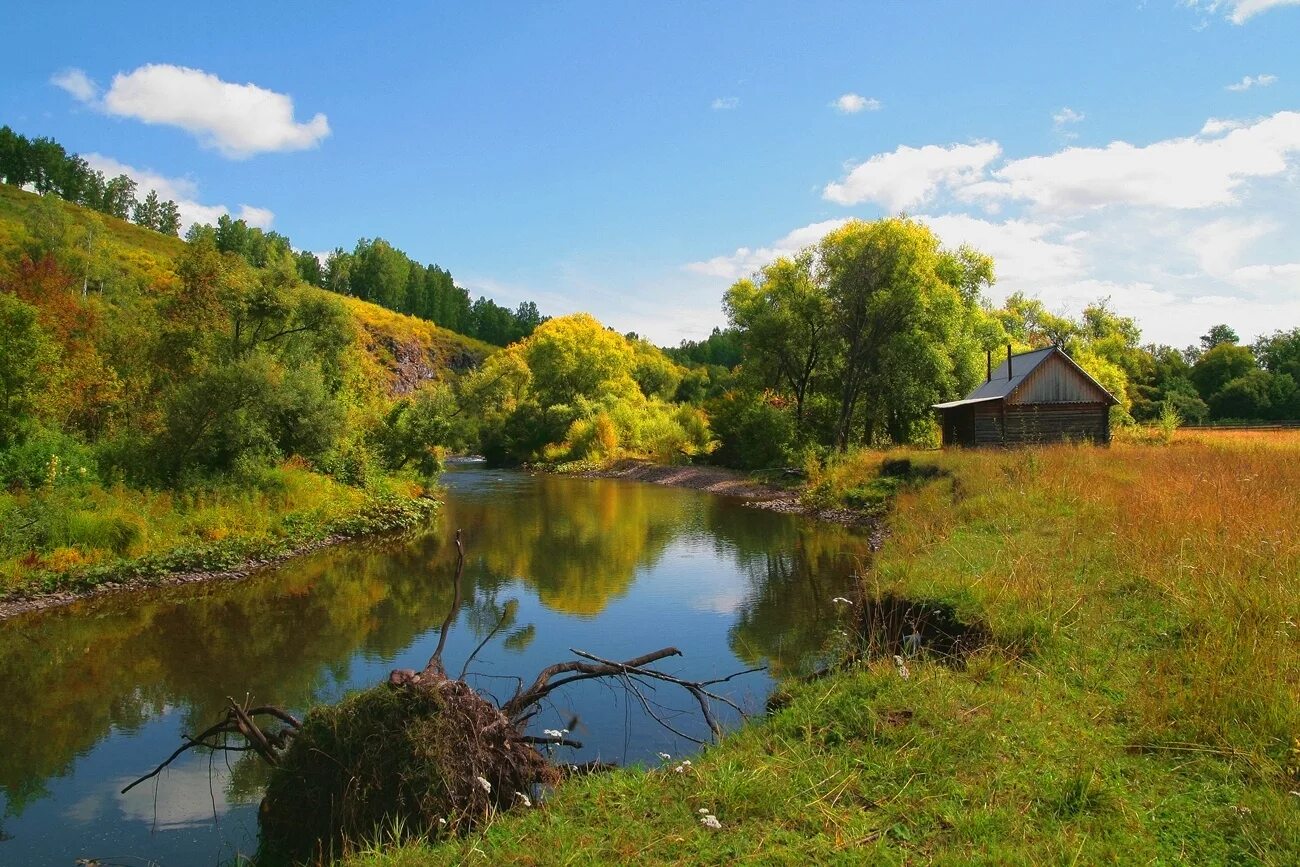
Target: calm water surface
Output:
{"points": [[98, 693]]}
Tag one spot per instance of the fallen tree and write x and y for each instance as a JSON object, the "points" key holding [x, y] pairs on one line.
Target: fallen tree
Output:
{"points": [[421, 754]]}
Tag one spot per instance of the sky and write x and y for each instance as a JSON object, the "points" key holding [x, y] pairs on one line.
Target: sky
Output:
{"points": [[633, 160]]}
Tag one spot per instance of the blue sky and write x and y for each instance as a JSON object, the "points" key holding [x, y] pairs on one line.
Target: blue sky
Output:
{"points": [[634, 159]]}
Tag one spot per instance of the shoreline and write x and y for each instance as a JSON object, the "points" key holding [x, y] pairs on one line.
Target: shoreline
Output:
{"points": [[16, 606], [19, 603], [735, 483]]}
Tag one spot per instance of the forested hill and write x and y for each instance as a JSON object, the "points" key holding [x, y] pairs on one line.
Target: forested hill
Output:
{"points": [[374, 270], [163, 399]]}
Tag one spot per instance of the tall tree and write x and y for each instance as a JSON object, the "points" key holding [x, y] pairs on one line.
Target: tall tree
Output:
{"points": [[148, 211], [785, 325], [906, 329]]}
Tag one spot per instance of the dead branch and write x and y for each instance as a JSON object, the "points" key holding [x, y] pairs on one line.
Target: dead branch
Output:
{"points": [[434, 665], [542, 686], [238, 720]]}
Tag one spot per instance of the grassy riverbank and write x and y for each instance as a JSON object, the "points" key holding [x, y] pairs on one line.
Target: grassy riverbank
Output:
{"points": [[1138, 701], [75, 537]]}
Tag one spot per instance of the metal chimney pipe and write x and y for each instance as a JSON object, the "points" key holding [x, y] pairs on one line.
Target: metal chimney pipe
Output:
{"points": [[988, 359], [1008, 361]]}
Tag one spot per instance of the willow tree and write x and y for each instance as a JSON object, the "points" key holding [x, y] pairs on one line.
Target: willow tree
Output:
{"points": [[909, 322]]}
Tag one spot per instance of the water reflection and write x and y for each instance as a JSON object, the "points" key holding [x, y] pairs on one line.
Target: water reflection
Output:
{"points": [[99, 691]]}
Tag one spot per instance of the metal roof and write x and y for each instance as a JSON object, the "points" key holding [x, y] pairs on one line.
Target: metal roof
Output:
{"points": [[1000, 386]]}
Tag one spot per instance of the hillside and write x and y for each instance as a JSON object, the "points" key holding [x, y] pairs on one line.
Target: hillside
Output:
{"points": [[167, 406]]}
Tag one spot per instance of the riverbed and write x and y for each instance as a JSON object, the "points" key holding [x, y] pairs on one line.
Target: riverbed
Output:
{"points": [[98, 692]]}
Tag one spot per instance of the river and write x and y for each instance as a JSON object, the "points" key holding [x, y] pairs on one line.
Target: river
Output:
{"points": [[98, 692]]}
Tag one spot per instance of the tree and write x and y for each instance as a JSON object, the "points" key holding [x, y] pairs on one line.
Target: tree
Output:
{"points": [[785, 326], [1219, 366], [907, 330], [26, 355], [1279, 352], [47, 228], [1218, 335], [148, 212], [169, 218], [309, 268], [119, 197], [15, 168]]}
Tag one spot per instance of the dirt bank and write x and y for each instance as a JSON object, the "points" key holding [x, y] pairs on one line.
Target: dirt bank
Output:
{"points": [[732, 483]]}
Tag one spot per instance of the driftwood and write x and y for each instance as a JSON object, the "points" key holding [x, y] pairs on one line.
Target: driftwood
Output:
{"points": [[508, 722]]}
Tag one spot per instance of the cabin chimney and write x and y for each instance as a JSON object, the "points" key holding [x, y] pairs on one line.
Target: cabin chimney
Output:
{"points": [[988, 360], [1008, 362]]}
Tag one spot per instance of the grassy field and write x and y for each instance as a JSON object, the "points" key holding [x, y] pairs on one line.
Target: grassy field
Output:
{"points": [[1139, 701]]}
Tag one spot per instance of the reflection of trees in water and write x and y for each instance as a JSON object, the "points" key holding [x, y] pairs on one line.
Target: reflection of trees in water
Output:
{"points": [[795, 567], [118, 662], [579, 544], [72, 675]]}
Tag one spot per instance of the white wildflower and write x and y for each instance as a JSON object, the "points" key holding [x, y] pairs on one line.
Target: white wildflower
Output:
{"points": [[527, 801], [442, 822], [711, 821], [665, 756], [704, 811], [902, 668], [842, 601], [552, 733], [686, 762], [487, 787], [679, 769]]}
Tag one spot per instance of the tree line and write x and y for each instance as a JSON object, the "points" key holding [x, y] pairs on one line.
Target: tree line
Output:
{"points": [[374, 270], [44, 165]]}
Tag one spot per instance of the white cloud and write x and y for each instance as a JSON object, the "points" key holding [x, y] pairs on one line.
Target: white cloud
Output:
{"points": [[1215, 126], [1179, 173], [909, 176], [852, 103], [1239, 11], [746, 260], [183, 191], [1218, 245], [77, 83], [238, 120], [725, 103], [1065, 117], [1024, 252], [1249, 81]]}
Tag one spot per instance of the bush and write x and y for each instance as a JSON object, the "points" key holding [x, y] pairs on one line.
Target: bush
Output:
{"points": [[755, 434]]}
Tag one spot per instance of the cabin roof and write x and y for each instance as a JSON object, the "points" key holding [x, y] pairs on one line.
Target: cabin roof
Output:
{"points": [[1000, 385]]}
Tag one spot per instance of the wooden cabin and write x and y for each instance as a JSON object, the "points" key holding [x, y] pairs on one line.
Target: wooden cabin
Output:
{"points": [[1033, 397]]}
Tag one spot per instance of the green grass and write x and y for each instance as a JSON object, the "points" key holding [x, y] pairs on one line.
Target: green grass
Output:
{"points": [[1138, 702], [78, 536]]}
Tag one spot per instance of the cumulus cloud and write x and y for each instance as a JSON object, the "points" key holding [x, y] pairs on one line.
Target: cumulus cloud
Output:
{"points": [[77, 83], [909, 176], [725, 103], [1198, 171], [852, 103], [1239, 11], [1249, 81], [183, 191], [1180, 173], [238, 120], [1025, 253], [746, 260]]}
